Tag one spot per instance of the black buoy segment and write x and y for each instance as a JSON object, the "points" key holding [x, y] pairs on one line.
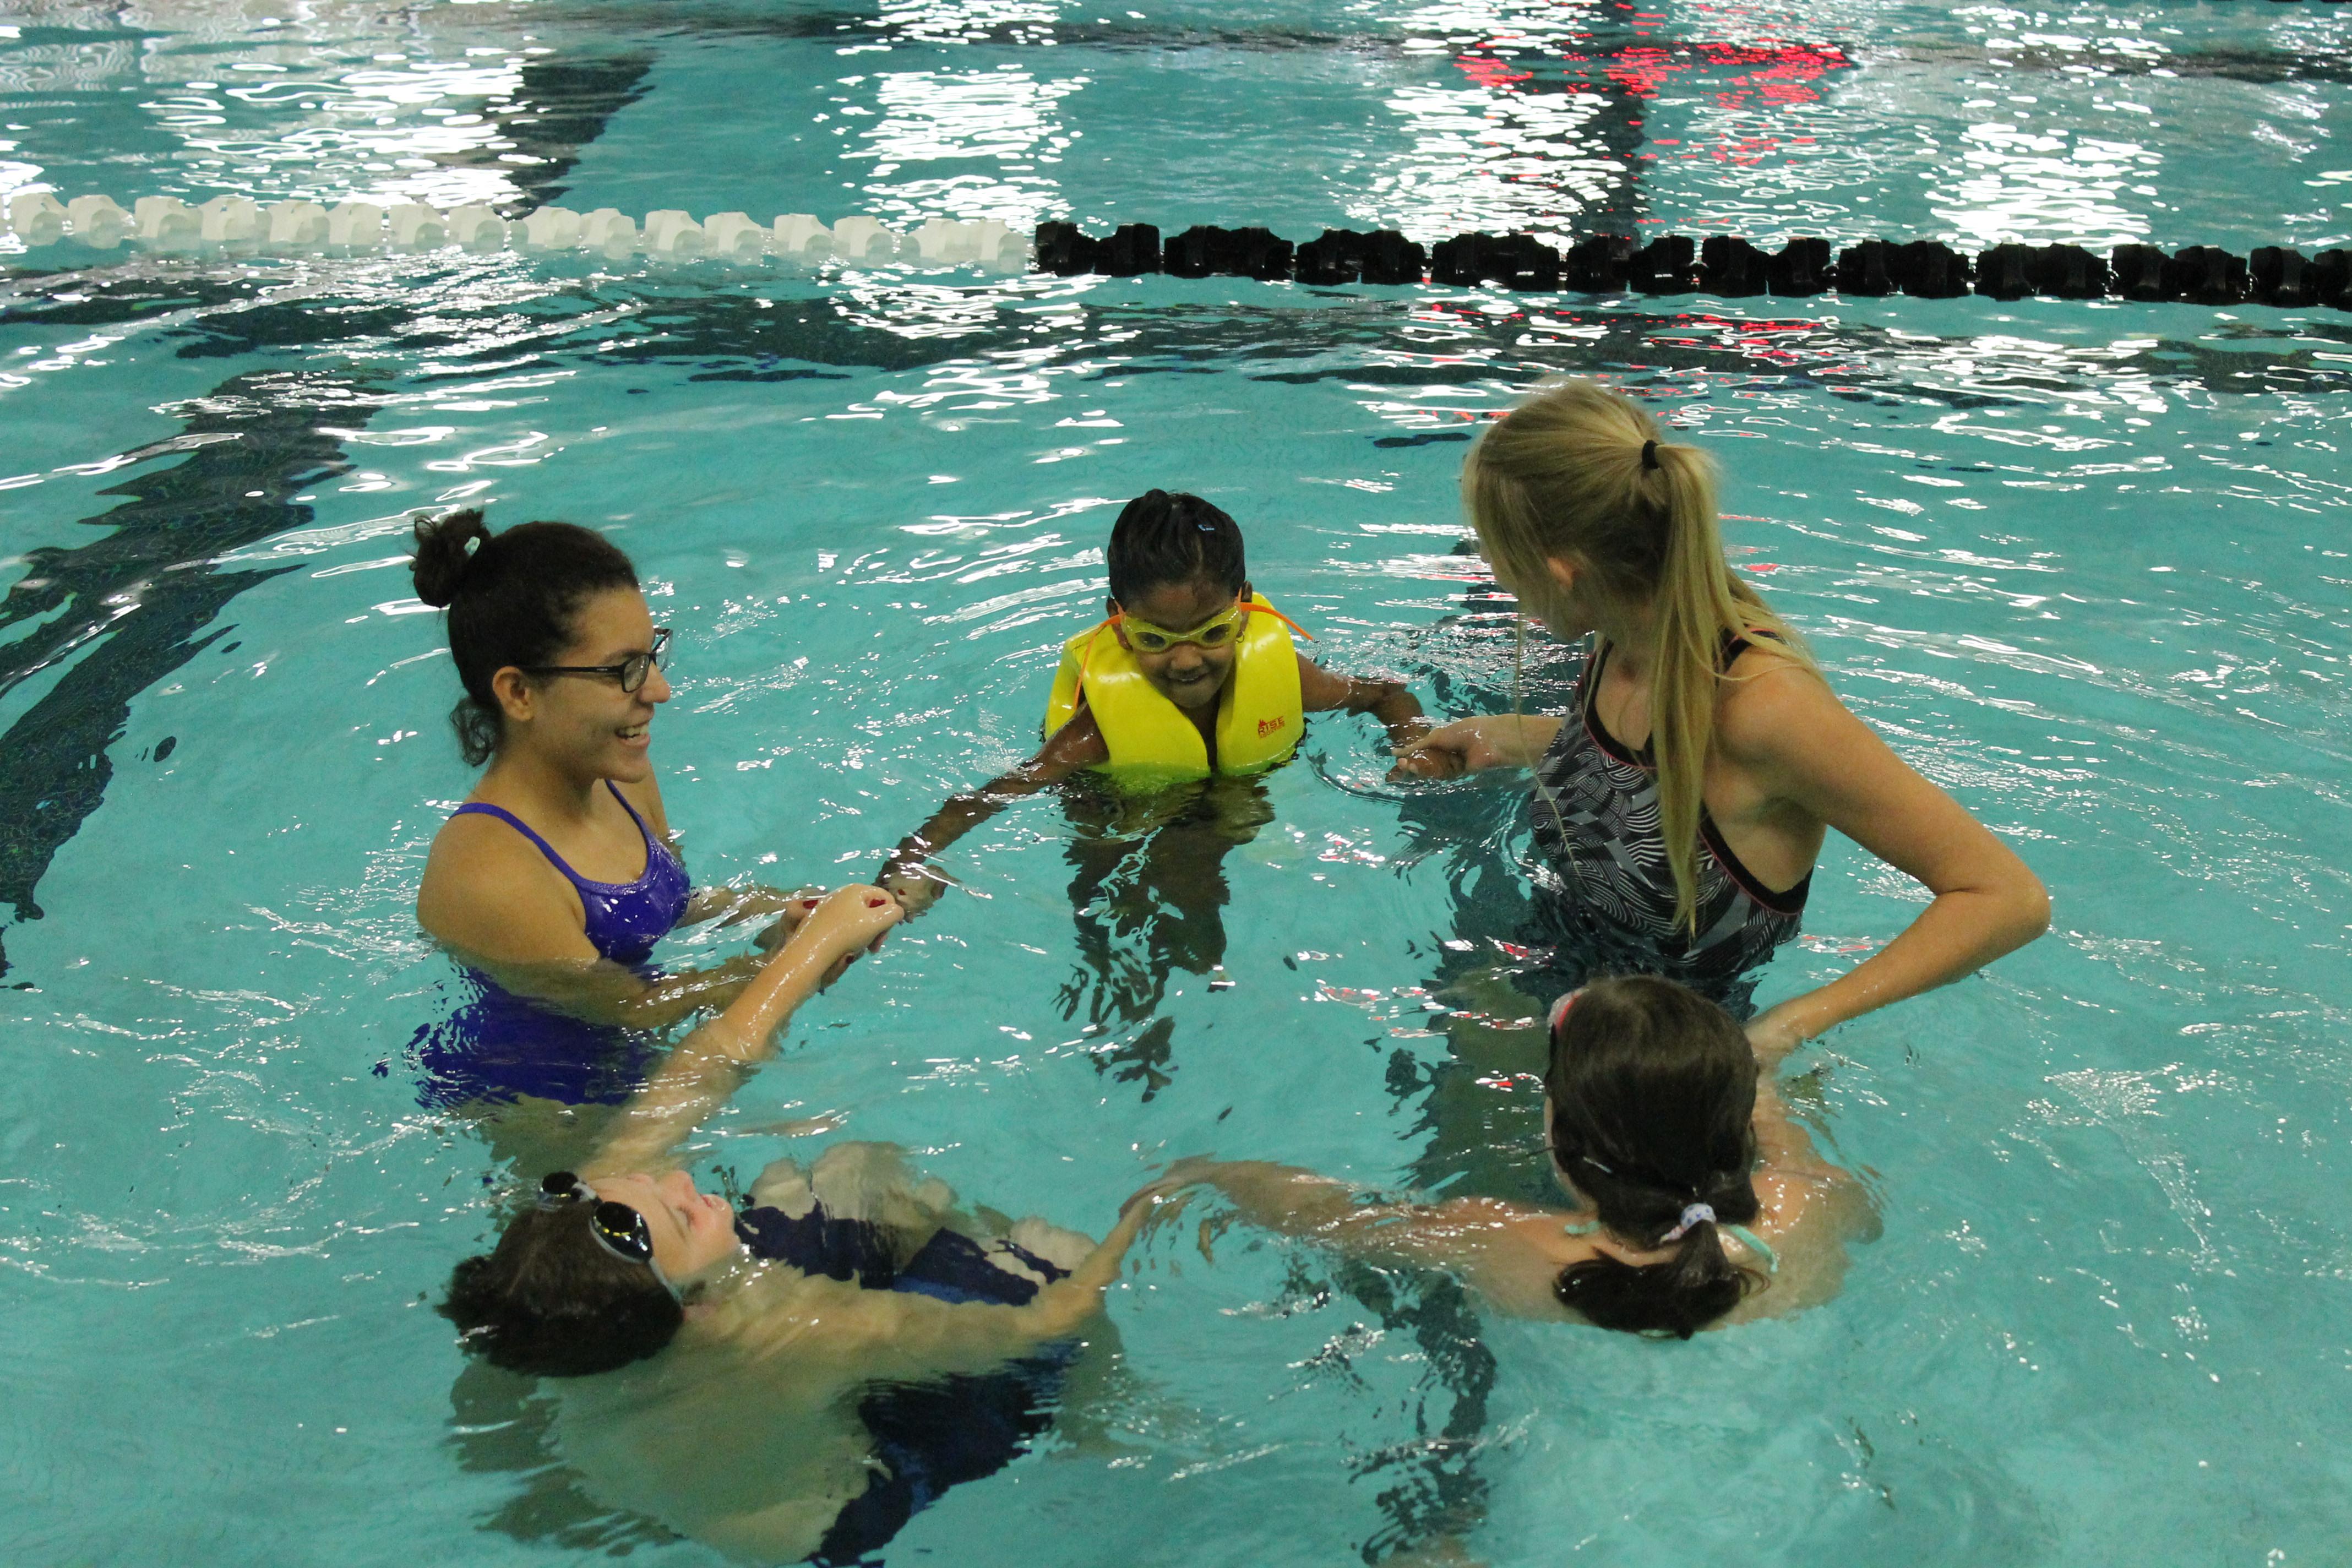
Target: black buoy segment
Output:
{"points": [[1598, 263], [1667, 265], [1803, 268], [1724, 265], [1513, 260], [1202, 251], [1733, 268], [1132, 249]]}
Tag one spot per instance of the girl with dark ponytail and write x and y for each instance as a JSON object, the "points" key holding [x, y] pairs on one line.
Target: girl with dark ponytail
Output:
{"points": [[1698, 1201], [556, 878]]}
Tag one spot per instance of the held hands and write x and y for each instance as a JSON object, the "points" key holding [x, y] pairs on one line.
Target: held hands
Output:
{"points": [[915, 884], [843, 924], [1772, 1035], [791, 911], [1468, 745]]}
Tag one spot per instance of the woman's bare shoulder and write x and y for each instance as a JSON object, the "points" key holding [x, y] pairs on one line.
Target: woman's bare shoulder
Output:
{"points": [[489, 892]]}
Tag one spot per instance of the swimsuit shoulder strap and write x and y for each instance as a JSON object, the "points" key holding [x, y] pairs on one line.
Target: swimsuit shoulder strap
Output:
{"points": [[647, 833], [1755, 1243], [479, 808]]}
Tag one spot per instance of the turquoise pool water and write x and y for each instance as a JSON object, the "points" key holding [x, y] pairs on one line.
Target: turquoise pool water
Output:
{"points": [[2086, 565]]}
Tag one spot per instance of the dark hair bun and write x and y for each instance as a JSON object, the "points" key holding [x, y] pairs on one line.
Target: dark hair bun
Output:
{"points": [[443, 550]]}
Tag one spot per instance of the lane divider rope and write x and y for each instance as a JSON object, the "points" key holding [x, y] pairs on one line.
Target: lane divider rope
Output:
{"points": [[1724, 265]]}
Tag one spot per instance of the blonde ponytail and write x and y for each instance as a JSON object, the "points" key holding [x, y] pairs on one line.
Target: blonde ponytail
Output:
{"points": [[1578, 473]]}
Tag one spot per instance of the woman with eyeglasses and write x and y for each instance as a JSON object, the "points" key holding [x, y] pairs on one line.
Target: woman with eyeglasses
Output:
{"points": [[794, 1379], [556, 879]]}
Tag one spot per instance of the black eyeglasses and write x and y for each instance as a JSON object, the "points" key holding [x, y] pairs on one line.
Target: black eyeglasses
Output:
{"points": [[631, 671], [618, 1228]]}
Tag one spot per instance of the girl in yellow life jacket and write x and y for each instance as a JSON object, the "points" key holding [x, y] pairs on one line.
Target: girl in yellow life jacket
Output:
{"points": [[1192, 675], [1150, 739]]}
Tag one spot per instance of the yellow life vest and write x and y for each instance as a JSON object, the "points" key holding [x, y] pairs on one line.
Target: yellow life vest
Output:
{"points": [[1152, 744]]}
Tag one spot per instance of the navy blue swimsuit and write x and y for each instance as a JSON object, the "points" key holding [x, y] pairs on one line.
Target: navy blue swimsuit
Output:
{"points": [[501, 1045], [931, 1435]]}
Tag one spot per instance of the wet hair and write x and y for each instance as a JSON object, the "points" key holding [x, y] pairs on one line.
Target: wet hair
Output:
{"points": [[549, 1301], [510, 599], [1166, 537], [1653, 1091], [1578, 472]]}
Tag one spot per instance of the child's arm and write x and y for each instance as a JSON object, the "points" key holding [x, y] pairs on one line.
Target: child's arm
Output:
{"points": [[908, 877], [1496, 1247], [704, 1068], [905, 1334], [1320, 691]]}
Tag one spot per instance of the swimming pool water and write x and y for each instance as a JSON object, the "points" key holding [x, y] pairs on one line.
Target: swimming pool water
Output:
{"points": [[2085, 565]]}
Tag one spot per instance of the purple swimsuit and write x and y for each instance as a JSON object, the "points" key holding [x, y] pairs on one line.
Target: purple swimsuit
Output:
{"points": [[499, 1045]]}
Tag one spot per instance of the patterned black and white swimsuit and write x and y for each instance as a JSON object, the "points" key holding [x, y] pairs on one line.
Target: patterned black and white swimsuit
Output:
{"points": [[1605, 894]]}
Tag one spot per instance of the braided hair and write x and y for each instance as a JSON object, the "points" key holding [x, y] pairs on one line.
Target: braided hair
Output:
{"points": [[1163, 537]]}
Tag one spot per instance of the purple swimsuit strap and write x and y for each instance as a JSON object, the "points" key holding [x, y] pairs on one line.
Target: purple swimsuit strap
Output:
{"points": [[479, 808]]}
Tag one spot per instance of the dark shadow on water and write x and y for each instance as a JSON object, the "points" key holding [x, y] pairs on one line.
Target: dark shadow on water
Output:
{"points": [[129, 608], [1147, 893], [501, 1423]]}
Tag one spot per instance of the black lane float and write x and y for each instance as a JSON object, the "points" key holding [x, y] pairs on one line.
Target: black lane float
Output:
{"points": [[1722, 264]]}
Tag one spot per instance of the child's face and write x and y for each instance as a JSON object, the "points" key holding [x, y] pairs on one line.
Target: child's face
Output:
{"points": [[1187, 674]]}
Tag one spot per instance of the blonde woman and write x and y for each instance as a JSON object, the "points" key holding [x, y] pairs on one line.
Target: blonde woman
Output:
{"points": [[1680, 807]]}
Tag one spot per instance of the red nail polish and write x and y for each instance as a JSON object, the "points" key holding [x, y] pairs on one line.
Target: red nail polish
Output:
{"points": [[875, 903]]}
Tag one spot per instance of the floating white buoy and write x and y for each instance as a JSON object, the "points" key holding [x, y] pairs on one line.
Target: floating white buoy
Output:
{"points": [[356, 225], [613, 232], [166, 220], [864, 240], [944, 242], [296, 225], [34, 210], [551, 228], [802, 238], [415, 227], [229, 220], [734, 236], [669, 232], [96, 220], [995, 244], [477, 228]]}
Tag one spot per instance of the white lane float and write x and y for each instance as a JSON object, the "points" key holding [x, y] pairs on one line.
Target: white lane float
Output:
{"points": [[354, 227]]}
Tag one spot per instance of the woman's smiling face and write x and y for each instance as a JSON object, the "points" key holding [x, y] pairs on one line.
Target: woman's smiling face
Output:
{"points": [[691, 1229], [587, 722]]}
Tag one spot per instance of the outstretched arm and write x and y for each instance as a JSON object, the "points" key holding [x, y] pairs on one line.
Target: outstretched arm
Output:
{"points": [[1496, 1247], [703, 1069], [1321, 691], [1473, 744], [907, 875], [907, 1335]]}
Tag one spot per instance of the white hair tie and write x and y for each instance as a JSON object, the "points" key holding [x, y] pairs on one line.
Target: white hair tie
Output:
{"points": [[1697, 1214]]}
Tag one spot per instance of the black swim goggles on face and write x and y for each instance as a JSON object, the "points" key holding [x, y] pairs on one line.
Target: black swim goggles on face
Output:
{"points": [[618, 1228], [632, 671]]}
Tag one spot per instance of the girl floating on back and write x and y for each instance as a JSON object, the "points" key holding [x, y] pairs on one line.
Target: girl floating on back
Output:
{"points": [[796, 1379], [1679, 809]]}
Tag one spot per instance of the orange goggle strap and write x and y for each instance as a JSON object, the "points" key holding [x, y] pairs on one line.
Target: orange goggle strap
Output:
{"points": [[1087, 661]]}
